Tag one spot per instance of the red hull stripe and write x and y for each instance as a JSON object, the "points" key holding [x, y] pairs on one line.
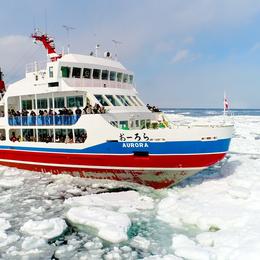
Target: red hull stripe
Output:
{"points": [[129, 161]]}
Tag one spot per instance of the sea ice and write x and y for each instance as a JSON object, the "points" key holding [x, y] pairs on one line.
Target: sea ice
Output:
{"points": [[111, 226], [128, 201], [47, 228], [140, 243]]}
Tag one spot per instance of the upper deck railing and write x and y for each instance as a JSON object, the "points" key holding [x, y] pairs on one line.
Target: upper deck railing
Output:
{"points": [[35, 66], [48, 120]]}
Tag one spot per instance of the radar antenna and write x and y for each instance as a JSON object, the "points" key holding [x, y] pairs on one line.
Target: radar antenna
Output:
{"points": [[116, 47], [68, 29]]}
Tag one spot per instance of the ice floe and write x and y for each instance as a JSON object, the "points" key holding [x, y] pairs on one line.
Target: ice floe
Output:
{"points": [[128, 201], [47, 228], [111, 226]]}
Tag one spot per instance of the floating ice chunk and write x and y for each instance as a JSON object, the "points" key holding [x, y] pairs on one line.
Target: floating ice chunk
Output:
{"points": [[7, 239], [65, 251], [166, 257], [181, 241], [5, 215], [9, 183], [187, 248], [33, 243], [37, 210], [127, 201], [4, 224], [48, 228], [205, 239], [111, 226], [119, 254], [140, 243], [194, 253]]}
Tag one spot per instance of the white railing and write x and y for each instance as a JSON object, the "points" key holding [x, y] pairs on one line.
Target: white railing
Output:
{"points": [[35, 66]]}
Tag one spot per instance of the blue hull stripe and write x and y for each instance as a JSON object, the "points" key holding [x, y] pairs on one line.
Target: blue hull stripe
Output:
{"points": [[162, 148]]}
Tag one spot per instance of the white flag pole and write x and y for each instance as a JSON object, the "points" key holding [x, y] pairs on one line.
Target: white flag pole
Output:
{"points": [[224, 103]]}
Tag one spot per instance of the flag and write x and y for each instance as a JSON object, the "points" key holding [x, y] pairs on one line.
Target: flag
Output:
{"points": [[225, 104]]}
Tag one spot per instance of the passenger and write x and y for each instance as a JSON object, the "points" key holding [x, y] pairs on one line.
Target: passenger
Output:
{"points": [[70, 116], [17, 118], [65, 115], [102, 110], [24, 117], [41, 116], [33, 117], [89, 110], [78, 113], [50, 113], [46, 117], [13, 137]]}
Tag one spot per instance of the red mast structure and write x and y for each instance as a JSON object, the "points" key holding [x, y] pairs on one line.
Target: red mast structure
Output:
{"points": [[2, 83], [49, 45]]}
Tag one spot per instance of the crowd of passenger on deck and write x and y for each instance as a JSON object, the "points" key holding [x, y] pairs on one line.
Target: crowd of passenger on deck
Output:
{"points": [[79, 138], [64, 116], [153, 108]]}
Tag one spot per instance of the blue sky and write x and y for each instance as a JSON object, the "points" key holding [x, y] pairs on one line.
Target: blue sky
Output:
{"points": [[183, 53]]}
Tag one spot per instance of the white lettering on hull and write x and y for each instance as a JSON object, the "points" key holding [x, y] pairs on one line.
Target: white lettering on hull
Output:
{"points": [[135, 145]]}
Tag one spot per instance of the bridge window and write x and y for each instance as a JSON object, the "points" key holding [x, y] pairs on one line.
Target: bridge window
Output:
{"points": [[76, 101], [42, 103], [114, 123], [142, 124], [51, 72], [112, 75], [132, 100], [65, 72], [113, 100], [123, 125], [137, 100], [96, 74], [104, 75], [131, 79], [101, 100], [27, 104], [125, 78], [76, 72], [123, 100], [86, 73], [59, 102], [119, 76]]}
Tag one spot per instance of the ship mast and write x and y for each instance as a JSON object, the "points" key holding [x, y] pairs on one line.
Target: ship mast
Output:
{"points": [[2, 83], [49, 45]]}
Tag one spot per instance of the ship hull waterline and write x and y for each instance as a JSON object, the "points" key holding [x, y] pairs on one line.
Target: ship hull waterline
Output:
{"points": [[157, 171]]}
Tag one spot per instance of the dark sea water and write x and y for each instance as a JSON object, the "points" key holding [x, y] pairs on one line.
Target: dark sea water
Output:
{"points": [[198, 112]]}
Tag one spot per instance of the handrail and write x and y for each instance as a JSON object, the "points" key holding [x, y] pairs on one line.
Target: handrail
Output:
{"points": [[43, 120]]}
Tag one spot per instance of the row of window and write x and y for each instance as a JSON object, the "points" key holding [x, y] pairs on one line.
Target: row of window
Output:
{"points": [[118, 100], [47, 135], [87, 73], [59, 102], [132, 124]]}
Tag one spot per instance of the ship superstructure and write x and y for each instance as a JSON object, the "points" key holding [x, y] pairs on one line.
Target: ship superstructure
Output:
{"points": [[81, 114]]}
